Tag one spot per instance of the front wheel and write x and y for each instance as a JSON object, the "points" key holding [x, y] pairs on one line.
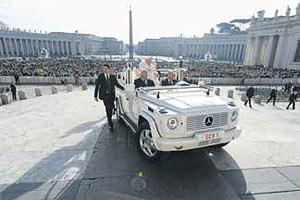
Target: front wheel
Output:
{"points": [[145, 143]]}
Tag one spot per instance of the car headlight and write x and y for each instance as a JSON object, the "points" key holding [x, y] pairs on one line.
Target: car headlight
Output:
{"points": [[172, 123], [234, 116]]}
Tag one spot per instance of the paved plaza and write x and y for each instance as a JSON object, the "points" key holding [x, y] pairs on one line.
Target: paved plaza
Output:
{"points": [[60, 147]]}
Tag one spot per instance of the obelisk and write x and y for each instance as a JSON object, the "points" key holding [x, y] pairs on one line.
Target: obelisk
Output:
{"points": [[130, 36]]}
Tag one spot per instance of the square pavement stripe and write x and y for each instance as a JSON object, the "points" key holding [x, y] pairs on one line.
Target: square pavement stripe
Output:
{"points": [[275, 196], [292, 173], [41, 190], [266, 180]]}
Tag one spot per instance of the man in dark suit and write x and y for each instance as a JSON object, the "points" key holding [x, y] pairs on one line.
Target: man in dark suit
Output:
{"points": [[13, 90], [249, 94], [273, 95], [105, 85], [169, 80], [143, 81], [292, 100]]}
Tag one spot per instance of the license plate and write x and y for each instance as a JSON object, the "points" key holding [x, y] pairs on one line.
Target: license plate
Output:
{"points": [[211, 136]]}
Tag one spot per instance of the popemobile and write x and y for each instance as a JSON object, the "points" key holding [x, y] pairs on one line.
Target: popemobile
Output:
{"points": [[174, 118]]}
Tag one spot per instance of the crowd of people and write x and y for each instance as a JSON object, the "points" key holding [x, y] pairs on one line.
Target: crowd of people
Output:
{"points": [[228, 70], [91, 67], [55, 67]]}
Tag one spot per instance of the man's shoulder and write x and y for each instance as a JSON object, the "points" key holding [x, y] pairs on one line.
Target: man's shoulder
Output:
{"points": [[137, 80]]}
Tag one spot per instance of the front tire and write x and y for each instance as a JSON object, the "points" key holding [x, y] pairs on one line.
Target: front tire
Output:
{"points": [[145, 143]]}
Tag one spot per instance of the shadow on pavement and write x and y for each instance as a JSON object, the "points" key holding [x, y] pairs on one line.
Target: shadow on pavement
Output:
{"points": [[58, 175], [117, 171]]}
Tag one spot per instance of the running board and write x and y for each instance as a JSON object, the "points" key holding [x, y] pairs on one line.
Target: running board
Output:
{"points": [[129, 123]]}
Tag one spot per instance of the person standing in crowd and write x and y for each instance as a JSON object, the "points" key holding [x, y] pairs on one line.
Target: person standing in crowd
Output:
{"points": [[17, 79], [105, 86], [292, 100], [273, 96], [169, 80], [13, 90], [249, 94], [143, 81], [76, 79], [184, 78]]}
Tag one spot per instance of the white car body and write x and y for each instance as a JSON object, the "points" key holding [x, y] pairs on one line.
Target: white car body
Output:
{"points": [[203, 119]]}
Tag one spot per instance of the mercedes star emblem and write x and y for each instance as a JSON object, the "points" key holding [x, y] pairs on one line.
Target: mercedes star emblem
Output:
{"points": [[209, 121]]}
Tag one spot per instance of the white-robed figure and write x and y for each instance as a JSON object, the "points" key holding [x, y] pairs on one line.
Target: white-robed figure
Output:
{"points": [[150, 67]]}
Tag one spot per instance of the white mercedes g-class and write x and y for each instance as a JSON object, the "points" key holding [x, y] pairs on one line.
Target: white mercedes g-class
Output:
{"points": [[176, 118]]}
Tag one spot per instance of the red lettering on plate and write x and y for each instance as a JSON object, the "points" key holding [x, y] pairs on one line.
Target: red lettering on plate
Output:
{"points": [[209, 136]]}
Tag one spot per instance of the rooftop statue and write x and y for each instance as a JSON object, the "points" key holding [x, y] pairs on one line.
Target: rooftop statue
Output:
{"points": [[288, 10], [276, 13], [261, 14]]}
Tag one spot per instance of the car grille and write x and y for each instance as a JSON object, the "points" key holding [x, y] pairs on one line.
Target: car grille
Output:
{"points": [[197, 123]]}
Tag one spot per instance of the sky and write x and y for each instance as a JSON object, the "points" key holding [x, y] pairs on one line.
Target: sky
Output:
{"points": [[151, 18]]}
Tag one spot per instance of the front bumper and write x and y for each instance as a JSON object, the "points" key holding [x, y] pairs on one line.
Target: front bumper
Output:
{"points": [[197, 141]]}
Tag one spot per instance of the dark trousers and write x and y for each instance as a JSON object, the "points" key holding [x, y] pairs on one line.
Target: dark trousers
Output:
{"points": [[248, 100], [291, 102], [108, 101], [274, 100], [14, 96]]}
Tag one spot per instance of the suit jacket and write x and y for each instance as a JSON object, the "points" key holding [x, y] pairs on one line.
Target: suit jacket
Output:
{"points": [[102, 88], [166, 82], [293, 96], [273, 93], [250, 92], [139, 83]]}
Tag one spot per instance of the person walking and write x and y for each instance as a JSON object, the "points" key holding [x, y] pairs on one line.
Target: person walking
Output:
{"points": [[13, 90], [292, 100], [249, 94], [105, 90], [273, 96]]}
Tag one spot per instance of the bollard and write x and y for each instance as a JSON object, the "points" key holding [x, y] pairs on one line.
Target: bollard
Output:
{"points": [[53, 89], [69, 88], [257, 99], [0, 101], [38, 92], [218, 91], [22, 95], [230, 94], [244, 97], [4, 99], [84, 86]]}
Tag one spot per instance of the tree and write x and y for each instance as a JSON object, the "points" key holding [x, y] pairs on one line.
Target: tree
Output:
{"points": [[241, 23], [225, 27], [212, 31]]}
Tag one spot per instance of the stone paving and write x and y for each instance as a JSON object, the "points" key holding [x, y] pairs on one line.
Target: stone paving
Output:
{"points": [[59, 147]]}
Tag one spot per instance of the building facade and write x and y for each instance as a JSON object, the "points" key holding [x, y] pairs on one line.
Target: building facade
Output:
{"points": [[223, 47], [274, 42], [19, 43]]}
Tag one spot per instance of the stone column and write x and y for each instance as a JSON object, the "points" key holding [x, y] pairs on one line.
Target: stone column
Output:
{"points": [[22, 46], [10, 46], [254, 53], [268, 51], [16, 46], [1, 47], [279, 56], [27, 47], [5, 46], [241, 52], [37, 46]]}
